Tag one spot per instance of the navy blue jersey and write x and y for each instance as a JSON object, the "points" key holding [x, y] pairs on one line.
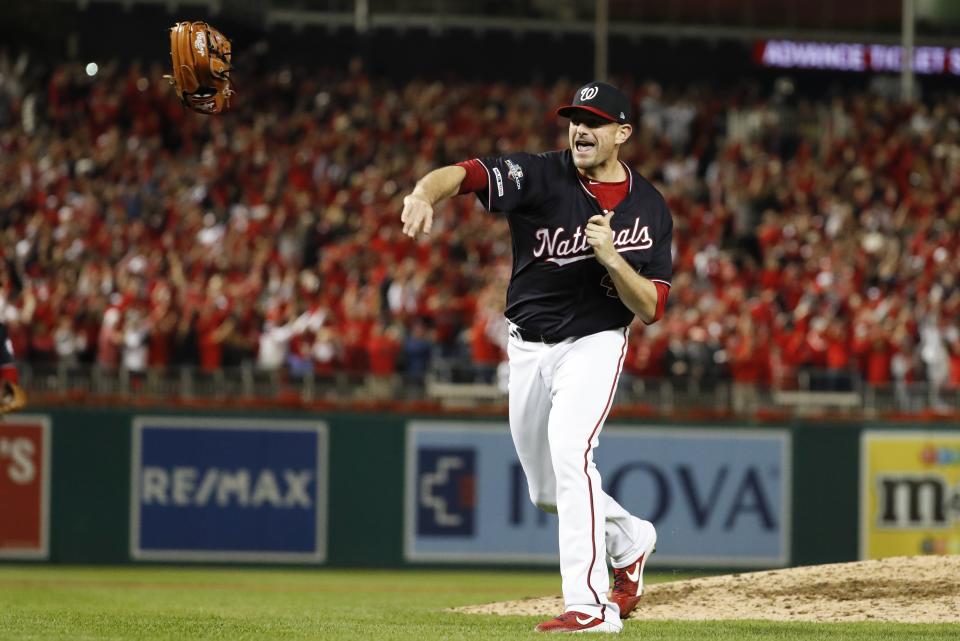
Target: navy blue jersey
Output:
{"points": [[558, 288]]}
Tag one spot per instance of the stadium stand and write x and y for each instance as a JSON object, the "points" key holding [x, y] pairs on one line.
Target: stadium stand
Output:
{"points": [[815, 240]]}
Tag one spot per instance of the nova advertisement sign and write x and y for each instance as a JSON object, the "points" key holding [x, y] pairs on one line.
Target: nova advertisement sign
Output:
{"points": [[717, 497], [236, 489]]}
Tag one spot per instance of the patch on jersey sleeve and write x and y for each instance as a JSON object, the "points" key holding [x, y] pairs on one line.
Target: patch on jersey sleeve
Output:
{"points": [[499, 177], [515, 174]]}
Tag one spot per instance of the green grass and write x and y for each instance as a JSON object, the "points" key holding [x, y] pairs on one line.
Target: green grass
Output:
{"points": [[42, 603]]}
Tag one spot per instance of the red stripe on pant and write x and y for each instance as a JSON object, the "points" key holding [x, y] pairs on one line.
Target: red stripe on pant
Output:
{"points": [[593, 528]]}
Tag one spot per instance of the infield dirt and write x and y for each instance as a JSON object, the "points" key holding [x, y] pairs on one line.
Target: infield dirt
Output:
{"points": [[903, 589]]}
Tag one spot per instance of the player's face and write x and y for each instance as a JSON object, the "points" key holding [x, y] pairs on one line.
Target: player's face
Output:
{"points": [[593, 140]]}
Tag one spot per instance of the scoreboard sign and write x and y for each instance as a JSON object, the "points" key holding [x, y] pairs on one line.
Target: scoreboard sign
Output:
{"points": [[24, 487]]}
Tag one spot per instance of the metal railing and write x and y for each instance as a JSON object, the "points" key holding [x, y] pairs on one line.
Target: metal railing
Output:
{"points": [[457, 384]]}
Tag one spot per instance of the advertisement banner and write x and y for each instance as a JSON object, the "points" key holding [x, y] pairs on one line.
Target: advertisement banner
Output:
{"points": [[24, 487], [855, 56], [718, 498], [228, 489], [909, 493]]}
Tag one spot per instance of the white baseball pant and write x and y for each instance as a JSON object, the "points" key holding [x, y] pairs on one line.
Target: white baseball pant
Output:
{"points": [[560, 396]]}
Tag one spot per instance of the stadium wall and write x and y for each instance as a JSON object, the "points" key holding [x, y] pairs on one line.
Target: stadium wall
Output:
{"points": [[122, 485]]}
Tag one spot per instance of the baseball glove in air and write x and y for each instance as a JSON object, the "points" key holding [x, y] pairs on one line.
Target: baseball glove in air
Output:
{"points": [[12, 397], [201, 67]]}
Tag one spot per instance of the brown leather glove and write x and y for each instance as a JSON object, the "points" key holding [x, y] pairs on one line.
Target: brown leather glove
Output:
{"points": [[12, 398], [201, 67]]}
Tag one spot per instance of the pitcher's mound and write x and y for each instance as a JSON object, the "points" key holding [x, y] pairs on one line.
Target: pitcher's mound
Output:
{"points": [[924, 589]]}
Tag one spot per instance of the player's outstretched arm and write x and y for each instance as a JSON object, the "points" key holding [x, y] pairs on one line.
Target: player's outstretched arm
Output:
{"points": [[433, 188]]}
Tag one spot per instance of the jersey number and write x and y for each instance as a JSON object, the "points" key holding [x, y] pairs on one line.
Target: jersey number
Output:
{"points": [[607, 283]]}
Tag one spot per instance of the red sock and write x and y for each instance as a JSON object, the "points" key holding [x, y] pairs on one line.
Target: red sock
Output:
{"points": [[9, 372]]}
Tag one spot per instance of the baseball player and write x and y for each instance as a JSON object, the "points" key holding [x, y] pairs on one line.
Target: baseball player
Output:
{"points": [[12, 396], [591, 249]]}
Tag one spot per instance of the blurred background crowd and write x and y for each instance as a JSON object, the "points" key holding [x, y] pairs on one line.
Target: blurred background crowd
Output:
{"points": [[812, 234]]}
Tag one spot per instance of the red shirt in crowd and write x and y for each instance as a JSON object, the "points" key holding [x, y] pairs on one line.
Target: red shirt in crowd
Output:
{"points": [[482, 349], [209, 341], [382, 351], [749, 361]]}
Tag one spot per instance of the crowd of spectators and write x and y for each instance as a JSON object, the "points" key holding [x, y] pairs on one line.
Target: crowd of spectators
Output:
{"points": [[810, 235]]}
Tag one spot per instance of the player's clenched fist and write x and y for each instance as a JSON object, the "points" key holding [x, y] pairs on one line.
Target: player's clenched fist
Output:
{"points": [[600, 237], [417, 215]]}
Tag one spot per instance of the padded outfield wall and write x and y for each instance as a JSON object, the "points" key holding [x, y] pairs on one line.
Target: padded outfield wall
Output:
{"points": [[94, 485]]}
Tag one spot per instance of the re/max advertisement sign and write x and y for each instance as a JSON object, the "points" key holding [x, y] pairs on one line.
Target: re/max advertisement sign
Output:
{"points": [[228, 489], [717, 497]]}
